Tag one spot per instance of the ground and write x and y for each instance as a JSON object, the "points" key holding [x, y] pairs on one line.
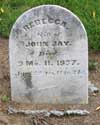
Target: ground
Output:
{"points": [[5, 119]]}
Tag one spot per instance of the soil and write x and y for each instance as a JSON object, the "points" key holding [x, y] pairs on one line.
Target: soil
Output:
{"points": [[19, 119]]}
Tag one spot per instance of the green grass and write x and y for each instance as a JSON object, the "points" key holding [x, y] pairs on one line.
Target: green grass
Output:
{"points": [[87, 10]]}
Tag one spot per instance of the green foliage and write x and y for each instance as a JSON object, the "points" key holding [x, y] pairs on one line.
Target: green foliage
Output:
{"points": [[87, 10], [5, 98]]}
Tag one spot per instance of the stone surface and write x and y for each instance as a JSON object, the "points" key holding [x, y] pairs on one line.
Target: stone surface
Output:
{"points": [[49, 57]]}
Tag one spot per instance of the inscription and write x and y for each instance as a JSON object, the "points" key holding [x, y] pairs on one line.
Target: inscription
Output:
{"points": [[72, 62], [49, 34], [46, 43], [57, 72], [43, 21]]}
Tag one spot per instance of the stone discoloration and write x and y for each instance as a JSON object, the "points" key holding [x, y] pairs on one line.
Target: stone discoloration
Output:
{"points": [[28, 80]]}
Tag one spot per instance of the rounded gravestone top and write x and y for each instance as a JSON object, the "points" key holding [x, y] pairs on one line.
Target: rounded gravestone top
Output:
{"points": [[49, 57]]}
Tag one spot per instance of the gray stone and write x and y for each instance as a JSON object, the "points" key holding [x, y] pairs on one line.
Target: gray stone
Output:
{"points": [[49, 57], [77, 112], [92, 88], [48, 113], [56, 113]]}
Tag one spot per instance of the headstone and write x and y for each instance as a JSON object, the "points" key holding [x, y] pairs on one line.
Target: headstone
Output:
{"points": [[49, 57]]}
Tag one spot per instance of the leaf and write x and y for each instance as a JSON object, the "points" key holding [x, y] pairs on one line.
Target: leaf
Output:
{"points": [[98, 108], [94, 13], [2, 10]]}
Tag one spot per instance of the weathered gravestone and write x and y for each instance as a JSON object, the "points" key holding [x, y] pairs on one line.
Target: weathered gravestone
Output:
{"points": [[49, 57]]}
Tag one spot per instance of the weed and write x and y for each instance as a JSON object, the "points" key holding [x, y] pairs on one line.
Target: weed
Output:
{"points": [[5, 98]]}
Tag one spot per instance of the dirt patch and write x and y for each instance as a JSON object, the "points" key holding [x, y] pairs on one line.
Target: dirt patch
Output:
{"points": [[94, 100]]}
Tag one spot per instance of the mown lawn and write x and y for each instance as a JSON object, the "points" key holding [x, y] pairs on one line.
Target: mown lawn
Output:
{"points": [[87, 10]]}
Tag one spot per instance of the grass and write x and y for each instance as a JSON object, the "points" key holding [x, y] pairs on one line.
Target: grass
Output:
{"points": [[87, 10]]}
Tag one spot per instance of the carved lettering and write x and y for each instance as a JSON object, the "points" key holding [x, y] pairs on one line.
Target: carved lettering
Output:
{"points": [[45, 21]]}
